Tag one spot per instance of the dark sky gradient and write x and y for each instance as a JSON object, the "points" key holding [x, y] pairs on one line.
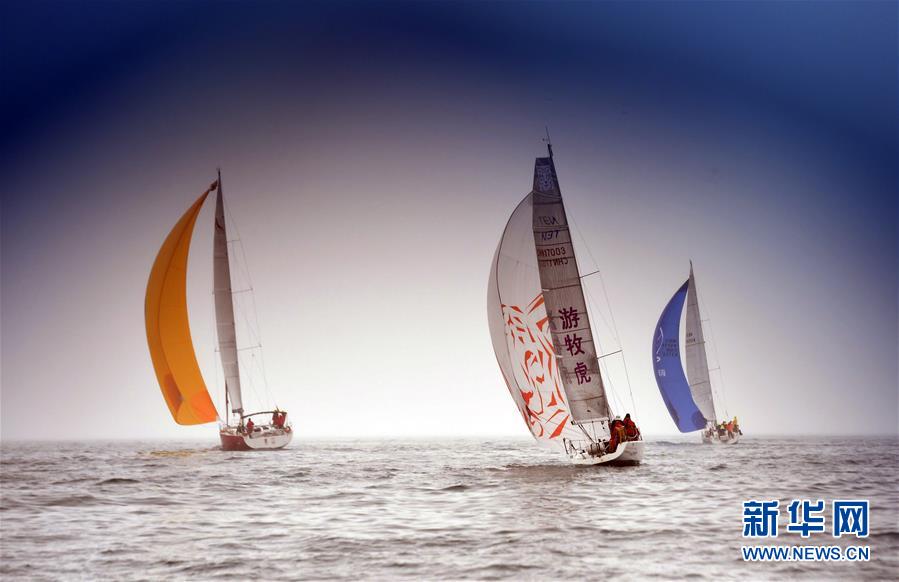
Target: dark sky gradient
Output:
{"points": [[807, 60], [372, 152]]}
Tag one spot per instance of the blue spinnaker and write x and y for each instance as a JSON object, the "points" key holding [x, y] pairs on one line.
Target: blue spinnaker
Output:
{"points": [[669, 370]]}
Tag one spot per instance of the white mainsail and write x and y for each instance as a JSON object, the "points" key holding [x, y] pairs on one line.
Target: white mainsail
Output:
{"points": [[697, 362], [564, 297], [224, 306]]}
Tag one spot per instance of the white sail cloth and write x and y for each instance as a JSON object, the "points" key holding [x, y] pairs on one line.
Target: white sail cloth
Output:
{"points": [[565, 302], [224, 306], [697, 362], [519, 328]]}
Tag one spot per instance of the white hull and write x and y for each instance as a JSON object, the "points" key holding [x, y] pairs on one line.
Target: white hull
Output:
{"points": [[716, 440], [627, 453], [267, 438]]}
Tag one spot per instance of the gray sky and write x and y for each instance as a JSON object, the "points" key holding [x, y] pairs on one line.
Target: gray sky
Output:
{"points": [[371, 169]]}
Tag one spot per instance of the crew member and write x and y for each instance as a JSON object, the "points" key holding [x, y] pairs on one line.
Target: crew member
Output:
{"points": [[617, 434], [630, 428]]}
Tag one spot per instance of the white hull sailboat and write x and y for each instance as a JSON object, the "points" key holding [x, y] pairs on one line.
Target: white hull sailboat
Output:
{"points": [[688, 396], [541, 332], [171, 346]]}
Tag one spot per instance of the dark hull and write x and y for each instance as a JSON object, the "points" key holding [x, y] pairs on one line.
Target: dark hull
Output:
{"points": [[232, 442]]}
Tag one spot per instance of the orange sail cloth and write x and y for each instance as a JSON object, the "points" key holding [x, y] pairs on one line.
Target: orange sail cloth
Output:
{"points": [[168, 329]]}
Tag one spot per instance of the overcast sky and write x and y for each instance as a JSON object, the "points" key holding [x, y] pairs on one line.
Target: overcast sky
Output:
{"points": [[371, 155]]}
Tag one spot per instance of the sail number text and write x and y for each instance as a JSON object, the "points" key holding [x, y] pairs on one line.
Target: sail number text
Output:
{"points": [[549, 234]]}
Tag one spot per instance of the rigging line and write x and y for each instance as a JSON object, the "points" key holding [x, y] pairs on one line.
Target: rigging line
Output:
{"points": [[612, 383], [627, 376], [596, 269], [716, 389], [232, 259], [261, 356], [583, 430], [593, 308], [243, 270], [252, 384], [580, 234], [714, 342], [250, 370], [605, 372], [609, 385], [592, 305], [258, 330], [605, 293]]}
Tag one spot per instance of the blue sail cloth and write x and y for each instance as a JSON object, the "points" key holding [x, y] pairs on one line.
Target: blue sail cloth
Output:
{"points": [[669, 371]]}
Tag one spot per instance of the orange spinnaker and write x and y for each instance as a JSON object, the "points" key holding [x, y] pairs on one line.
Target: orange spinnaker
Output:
{"points": [[168, 329]]}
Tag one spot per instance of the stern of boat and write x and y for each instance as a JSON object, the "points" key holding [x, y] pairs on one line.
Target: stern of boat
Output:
{"points": [[717, 440], [627, 453], [263, 438]]}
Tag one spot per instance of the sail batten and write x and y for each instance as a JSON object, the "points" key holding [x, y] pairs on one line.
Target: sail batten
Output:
{"points": [[224, 306], [168, 327]]}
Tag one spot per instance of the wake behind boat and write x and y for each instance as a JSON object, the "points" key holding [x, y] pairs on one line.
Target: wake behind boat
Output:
{"points": [[171, 346], [542, 337], [690, 404]]}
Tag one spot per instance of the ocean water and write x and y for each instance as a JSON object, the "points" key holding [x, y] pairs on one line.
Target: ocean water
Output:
{"points": [[426, 510]]}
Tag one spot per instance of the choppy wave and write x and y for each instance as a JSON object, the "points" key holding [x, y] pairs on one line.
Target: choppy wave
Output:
{"points": [[386, 510]]}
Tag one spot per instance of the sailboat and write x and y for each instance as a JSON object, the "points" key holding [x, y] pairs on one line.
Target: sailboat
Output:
{"points": [[171, 346], [541, 332], [690, 403]]}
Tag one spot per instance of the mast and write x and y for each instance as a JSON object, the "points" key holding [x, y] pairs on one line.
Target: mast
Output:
{"points": [[563, 294], [224, 307], [549, 146], [697, 362]]}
